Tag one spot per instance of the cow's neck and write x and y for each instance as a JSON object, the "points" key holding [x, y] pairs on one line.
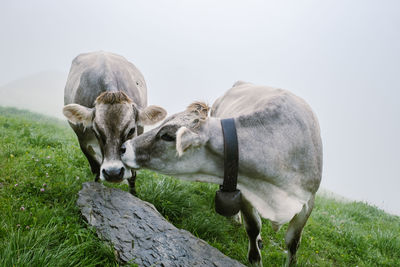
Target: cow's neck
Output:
{"points": [[216, 141], [213, 151], [211, 156]]}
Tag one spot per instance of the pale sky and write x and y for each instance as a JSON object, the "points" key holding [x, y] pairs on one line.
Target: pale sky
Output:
{"points": [[342, 57]]}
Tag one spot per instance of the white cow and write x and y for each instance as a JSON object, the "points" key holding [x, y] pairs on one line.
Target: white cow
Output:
{"points": [[106, 104], [280, 155]]}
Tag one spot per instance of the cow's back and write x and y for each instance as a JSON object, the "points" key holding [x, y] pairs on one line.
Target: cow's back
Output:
{"points": [[279, 142], [97, 72], [281, 119], [244, 99]]}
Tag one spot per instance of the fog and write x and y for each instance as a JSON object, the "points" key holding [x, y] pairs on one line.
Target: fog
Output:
{"points": [[342, 57]]}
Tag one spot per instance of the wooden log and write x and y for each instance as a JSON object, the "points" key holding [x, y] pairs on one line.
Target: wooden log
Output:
{"points": [[140, 234]]}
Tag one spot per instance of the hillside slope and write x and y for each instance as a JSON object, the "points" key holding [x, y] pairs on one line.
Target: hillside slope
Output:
{"points": [[41, 92], [42, 169]]}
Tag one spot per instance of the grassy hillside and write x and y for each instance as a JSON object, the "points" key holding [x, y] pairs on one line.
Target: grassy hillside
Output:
{"points": [[42, 170]]}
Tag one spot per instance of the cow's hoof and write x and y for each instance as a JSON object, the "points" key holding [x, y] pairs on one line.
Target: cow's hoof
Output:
{"points": [[255, 258]]}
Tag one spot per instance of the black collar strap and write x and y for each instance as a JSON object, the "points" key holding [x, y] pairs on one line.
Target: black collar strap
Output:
{"points": [[228, 200], [231, 155]]}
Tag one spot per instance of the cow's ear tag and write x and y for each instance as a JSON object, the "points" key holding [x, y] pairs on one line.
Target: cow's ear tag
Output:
{"points": [[228, 203]]}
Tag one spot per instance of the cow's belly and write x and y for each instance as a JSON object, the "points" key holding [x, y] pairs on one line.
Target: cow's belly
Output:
{"points": [[277, 204]]}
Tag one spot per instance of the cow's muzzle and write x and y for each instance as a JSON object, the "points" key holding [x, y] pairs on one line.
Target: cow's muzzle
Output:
{"points": [[113, 174], [114, 171], [128, 156]]}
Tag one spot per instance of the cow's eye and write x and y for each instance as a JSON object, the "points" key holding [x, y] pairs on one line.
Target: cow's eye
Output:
{"points": [[167, 137], [131, 132]]}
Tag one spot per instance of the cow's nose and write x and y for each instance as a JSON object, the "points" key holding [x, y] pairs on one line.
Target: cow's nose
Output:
{"points": [[128, 155], [114, 174], [122, 149]]}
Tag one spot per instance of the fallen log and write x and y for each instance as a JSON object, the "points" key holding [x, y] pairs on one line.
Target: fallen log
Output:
{"points": [[140, 234]]}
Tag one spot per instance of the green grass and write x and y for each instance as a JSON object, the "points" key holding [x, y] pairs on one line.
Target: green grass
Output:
{"points": [[42, 169]]}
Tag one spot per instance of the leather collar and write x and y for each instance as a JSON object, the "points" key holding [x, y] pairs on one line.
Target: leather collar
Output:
{"points": [[231, 155]]}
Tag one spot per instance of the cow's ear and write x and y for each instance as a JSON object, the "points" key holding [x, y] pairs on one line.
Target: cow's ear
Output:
{"points": [[186, 139], [151, 115], [79, 114]]}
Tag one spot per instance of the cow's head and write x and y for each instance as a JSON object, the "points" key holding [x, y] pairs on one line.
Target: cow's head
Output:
{"points": [[178, 146], [114, 119]]}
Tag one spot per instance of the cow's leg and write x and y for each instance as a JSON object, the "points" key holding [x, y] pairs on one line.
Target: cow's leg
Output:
{"points": [[131, 181], [293, 233], [83, 136], [94, 165], [237, 218], [252, 223]]}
